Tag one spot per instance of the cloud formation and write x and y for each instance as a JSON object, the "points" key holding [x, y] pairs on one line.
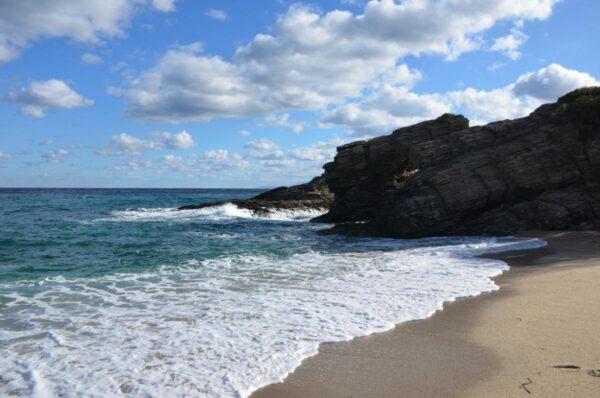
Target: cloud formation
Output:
{"points": [[90, 21], [283, 120], [396, 106], [510, 44], [549, 83], [91, 59], [220, 15], [126, 145], [36, 98], [182, 140], [56, 156], [311, 61]]}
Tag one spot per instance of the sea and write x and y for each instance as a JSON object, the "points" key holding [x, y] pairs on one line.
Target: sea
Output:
{"points": [[113, 292]]}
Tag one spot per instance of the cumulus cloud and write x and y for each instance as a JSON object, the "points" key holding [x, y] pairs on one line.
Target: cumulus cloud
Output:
{"points": [[245, 133], [264, 149], [124, 144], [127, 145], [134, 165], [90, 21], [283, 120], [184, 86], [91, 59], [5, 156], [385, 110], [164, 5], [396, 106], [209, 162], [220, 15], [509, 44], [520, 98], [56, 156], [182, 140], [36, 98], [311, 61], [549, 83], [318, 152], [489, 105]]}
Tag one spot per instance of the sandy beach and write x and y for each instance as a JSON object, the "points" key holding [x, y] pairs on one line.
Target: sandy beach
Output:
{"points": [[538, 335]]}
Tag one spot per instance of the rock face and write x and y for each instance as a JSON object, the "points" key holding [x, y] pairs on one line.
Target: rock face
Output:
{"points": [[313, 195], [441, 177]]}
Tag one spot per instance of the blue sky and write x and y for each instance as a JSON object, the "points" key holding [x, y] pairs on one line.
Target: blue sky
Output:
{"points": [[182, 93]]}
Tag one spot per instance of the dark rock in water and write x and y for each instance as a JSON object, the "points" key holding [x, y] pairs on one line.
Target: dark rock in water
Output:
{"points": [[441, 177], [313, 195]]}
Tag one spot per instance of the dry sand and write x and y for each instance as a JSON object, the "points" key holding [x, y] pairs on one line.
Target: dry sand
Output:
{"points": [[501, 344]]}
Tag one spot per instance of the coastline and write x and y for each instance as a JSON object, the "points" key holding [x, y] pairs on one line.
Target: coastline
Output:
{"points": [[503, 343]]}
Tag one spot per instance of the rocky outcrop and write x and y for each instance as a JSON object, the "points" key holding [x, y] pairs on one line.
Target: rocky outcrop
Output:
{"points": [[313, 195], [443, 178]]}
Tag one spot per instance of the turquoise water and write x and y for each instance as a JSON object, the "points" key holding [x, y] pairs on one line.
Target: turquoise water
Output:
{"points": [[114, 292]]}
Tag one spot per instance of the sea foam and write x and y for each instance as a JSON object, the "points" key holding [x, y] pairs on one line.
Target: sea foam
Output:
{"points": [[225, 326], [226, 211]]}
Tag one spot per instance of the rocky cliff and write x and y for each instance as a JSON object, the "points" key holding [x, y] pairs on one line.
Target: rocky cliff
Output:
{"points": [[441, 177]]}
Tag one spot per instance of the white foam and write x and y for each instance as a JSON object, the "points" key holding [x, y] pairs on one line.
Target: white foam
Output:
{"points": [[225, 327], [226, 211]]}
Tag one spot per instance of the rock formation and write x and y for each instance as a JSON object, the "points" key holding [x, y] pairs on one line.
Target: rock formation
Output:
{"points": [[313, 195], [441, 177]]}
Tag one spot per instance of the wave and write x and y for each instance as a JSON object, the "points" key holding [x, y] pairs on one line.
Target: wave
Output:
{"points": [[224, 327], [226, 211]]}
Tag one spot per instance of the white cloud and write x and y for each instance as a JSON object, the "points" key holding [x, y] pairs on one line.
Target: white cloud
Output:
{"points": [[124, 144], [91, 59], [182, 140], [491, 105], [209, 162], [245, 133], [395, 106], [183, 86], [385, 110], [220, 15], [90, 21], [41, 95], [319, 152], [164, 5], [549, 83], [264, 149], [495, 66], [56, 156], [127, 145], [312, 61], [46, 142], [5, 156], [278, 163], [283, 120], [510, 44], [172, 159], [134, 165]]}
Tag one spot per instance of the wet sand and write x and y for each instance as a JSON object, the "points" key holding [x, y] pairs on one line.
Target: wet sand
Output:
{"points": [[501, 344]]}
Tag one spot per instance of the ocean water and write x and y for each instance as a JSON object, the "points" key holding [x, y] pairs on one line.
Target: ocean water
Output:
{"points": [[109, 293]]}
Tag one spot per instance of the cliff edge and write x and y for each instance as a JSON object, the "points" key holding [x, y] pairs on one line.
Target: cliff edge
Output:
{"points": [[442, 177]]}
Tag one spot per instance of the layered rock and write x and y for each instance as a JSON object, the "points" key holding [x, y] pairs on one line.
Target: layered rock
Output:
{"points": [[313, 195], [443, 178]]}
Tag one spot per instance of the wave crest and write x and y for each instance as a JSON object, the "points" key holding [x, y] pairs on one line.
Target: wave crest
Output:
{"points": [[227, 211]]}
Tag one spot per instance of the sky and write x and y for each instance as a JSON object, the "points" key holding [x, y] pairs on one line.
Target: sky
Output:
{"points": [[256, 94]]}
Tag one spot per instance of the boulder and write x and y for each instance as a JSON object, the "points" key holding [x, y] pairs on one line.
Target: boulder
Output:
{"points": [[313, 195]]}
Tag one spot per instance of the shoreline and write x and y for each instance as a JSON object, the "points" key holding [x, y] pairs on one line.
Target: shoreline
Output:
{"points": [[501, 343]]}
